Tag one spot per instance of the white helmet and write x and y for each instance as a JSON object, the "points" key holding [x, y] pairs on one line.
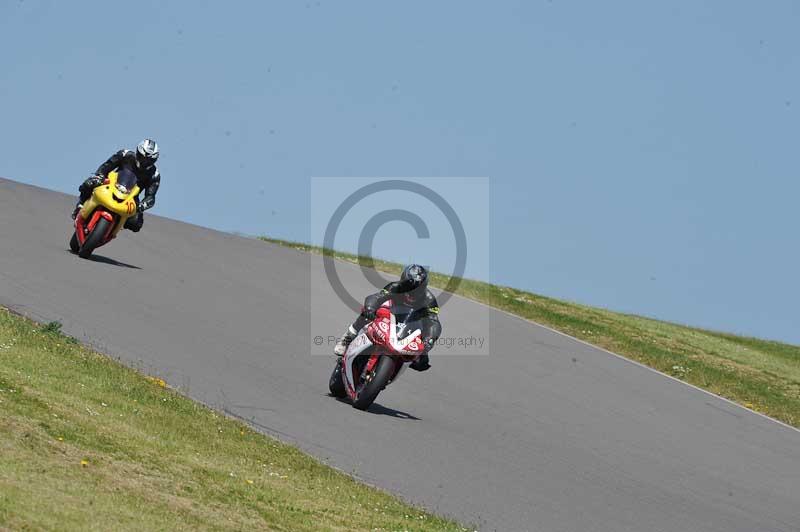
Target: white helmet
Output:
{"points": [[147, 152]]}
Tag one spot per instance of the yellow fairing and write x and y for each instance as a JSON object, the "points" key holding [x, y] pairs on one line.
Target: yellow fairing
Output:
{"points": [[111, 199]]}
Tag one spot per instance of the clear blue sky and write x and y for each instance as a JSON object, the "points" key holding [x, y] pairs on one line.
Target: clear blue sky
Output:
{"points": [[643, 155]]}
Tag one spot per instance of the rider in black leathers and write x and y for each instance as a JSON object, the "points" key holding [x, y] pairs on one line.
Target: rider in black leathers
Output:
{"points": [[142, 162], [411, 290]]}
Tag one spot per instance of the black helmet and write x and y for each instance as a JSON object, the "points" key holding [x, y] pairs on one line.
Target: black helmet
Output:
{"points": [[146, 153], [414, 278]]}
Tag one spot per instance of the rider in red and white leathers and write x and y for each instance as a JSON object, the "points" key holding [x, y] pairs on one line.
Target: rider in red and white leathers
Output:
{"points": [[411, 290]]}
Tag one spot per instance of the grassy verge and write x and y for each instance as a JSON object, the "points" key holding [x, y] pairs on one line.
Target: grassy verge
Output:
{"points": [[759, 374], [88, 444]]}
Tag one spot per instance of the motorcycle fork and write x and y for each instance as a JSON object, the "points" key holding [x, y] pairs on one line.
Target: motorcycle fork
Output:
{"points": [[366, 372]]}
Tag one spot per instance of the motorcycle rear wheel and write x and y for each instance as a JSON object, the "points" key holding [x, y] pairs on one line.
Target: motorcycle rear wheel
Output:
{"points": [[94, 239], [368, 391]]}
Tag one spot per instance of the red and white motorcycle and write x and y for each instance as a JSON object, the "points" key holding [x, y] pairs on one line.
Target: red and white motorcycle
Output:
{"points": [[377, 355]]}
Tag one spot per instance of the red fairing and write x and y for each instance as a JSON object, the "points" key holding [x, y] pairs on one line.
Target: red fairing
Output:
{"points": [[93, 221], [82, 229], [376, 333], [384, 344]]}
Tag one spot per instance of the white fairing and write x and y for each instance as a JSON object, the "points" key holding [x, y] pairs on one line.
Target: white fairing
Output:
{"points": [[359, 344]]}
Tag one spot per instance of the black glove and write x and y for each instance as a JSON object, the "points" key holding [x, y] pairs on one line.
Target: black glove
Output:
{"points": [[145, 204], [369, 313], [93, 182], [422, 363]]}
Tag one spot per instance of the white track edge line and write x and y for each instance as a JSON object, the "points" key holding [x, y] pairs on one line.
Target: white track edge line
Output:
{"points": [[626, 359], [584, 342]]}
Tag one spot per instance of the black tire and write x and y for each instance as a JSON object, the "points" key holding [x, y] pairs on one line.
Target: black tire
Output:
{"points": [[74, 245], [336, 384], [381, 373], [94, 239]]}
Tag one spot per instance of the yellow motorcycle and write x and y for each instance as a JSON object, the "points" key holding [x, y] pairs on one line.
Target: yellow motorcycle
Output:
{"points": [[105, 213]]}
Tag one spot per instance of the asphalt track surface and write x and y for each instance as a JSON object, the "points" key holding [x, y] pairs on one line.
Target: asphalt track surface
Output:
{"points": [[546, 433]]}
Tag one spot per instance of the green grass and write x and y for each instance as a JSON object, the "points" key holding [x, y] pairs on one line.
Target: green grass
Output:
{"points": [[759, 374], [88, 444]]}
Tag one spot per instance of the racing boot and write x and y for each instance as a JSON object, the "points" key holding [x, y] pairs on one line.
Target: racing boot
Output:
{"points": [[422, 363], [344, 341], [78, 208]]}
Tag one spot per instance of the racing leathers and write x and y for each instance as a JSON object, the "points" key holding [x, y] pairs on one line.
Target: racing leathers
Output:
{"points": [[425, 308]]}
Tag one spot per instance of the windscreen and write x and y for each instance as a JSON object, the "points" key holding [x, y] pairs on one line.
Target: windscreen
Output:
{"points": [[406, 320], [126, 178]]}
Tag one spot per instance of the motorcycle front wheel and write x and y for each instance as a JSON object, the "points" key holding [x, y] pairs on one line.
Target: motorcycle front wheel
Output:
{"points": [[74, 245], [375, 381], [336, 383], [94, 239]]}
